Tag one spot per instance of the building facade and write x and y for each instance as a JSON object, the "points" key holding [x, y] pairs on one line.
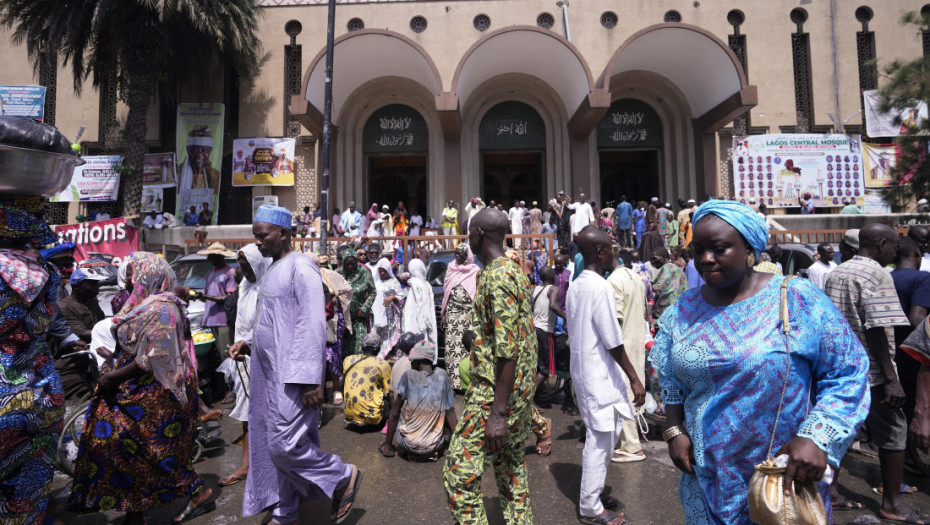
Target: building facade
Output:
{"points": [[519, 99]]}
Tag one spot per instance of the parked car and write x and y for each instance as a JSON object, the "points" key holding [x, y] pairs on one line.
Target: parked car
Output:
{"points": [[192, 273], [797, 258], [436, 277]]}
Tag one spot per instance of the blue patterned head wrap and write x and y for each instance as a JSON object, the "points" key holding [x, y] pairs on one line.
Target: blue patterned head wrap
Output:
{"points": [[746, 221], [274, 215]]}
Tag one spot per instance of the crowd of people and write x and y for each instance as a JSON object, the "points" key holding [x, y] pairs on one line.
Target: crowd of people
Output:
{"points": [[644, 308]]}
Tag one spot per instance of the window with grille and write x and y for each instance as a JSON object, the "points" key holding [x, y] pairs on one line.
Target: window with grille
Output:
{"points": [[609, 19], [355, 24], [672, 17], [418, 24], [545, 21], [482, 22], [925, 33], [737, 43], [803, 87], [865, 49], [293, 57]]}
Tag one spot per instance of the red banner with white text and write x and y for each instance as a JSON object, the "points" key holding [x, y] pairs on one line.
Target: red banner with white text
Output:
{"points": [[114, 237]]}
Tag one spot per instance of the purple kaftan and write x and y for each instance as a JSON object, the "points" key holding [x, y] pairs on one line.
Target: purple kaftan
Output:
{"points": [[286, 465]]}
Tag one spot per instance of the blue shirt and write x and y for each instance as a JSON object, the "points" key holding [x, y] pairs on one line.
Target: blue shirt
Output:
{"points": [[624, 213], [639, 219], [694, 278]]}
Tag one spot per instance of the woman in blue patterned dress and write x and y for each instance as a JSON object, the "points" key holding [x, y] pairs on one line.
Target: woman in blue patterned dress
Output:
{"points": [[721, 359], [32, 401]]}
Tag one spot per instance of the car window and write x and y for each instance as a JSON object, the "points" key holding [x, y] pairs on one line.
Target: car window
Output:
{"points": [[436, 273]]}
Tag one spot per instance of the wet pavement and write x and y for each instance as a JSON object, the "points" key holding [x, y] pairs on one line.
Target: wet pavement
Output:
{"points": [[395, 491]]}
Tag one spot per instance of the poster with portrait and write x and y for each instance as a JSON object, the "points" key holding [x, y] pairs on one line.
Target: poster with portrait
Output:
{"points": [[263, 162], [96, 180], [200, 158], [879, 161], [892, 123], [778, 170], [159, 170], [153, 199]]}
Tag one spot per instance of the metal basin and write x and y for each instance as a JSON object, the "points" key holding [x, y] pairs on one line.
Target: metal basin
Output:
{"points": [[33, 172]]}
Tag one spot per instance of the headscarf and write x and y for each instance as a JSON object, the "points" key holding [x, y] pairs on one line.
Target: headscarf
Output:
{"points": [[464, 275], [339, 288], [372, 214], [378, 310], [152, 325], [344, 253], [746, 221], [917, 345], [579, 266], [22, 219], [247, 306], [420, 306]]}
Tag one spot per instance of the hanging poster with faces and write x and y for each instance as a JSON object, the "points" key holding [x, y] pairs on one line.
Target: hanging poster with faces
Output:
{"points": [[780, 169]]}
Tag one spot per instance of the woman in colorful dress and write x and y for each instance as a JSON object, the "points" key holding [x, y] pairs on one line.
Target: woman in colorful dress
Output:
{"points": [[387, 307], [459, 287], [338, 300], [363, 296], [32, 401], [138, 438], [721, 338]]}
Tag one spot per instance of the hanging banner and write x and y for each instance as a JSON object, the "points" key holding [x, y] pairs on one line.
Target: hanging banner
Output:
{"points": [[261, 200], [23, 101], [879, 161], [200, 150], [112, 237], [780, 169], [263, 162], [160, 170], [152, 199], [874, 203], [878, 124], [96, 180]]}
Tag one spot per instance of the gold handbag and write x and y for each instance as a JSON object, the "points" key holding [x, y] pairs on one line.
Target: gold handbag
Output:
{"points": [[768, 504]]}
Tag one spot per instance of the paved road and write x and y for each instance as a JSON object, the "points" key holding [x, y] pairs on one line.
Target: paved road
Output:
{"points": [[398, 492]]}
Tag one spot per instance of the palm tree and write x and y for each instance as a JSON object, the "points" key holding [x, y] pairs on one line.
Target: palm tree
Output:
{"points": [[141, 44]]}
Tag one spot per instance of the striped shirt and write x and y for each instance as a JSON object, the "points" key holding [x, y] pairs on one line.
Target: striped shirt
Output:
{"points": [[864, 293]]}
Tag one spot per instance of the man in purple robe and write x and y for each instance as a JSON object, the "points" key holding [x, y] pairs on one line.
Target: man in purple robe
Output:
{"points": [[286, 465]]}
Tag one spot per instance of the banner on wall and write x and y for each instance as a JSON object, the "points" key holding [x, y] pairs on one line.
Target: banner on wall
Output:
{"points": [[160, 170], [23, 101], [113, 237], [260, 200], [879, 161], [874, 203], [153, 199], [96, 180], [200, 154], [780, 169], [880, 124], [263, 162]]}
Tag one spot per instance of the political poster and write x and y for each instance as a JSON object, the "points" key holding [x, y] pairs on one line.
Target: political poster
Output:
{"points": [[160, 170], [879, 161], [96, 180], [263, 162], [260, 200], [893, 123], [113, 237], [153, 199], [200, 154], [23, 101], [781, 169]]}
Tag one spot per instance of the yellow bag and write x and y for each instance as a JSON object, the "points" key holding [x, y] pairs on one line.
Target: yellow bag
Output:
{"points": [[767, 502]]}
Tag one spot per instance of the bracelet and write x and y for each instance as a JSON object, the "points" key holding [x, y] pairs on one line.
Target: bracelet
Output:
{"points": [[673, 432]]}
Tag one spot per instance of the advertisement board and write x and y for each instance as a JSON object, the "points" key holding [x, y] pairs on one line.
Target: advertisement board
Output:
{"points": [[780, 169], [160, 170], [23, 101], [96, 180], [200, 154], [263, 162], [893, 123], [114, 237], [260, 200]]}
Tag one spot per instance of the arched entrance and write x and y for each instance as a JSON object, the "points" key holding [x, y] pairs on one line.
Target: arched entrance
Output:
{"points": [[395, 143], [512, 144], [629, 147]]}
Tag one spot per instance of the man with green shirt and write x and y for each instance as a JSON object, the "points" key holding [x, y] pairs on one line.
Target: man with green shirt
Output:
{"points": [[850, 207], [498, 405]]}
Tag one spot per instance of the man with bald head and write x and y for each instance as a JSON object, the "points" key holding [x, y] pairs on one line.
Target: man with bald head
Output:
{"points": [[598, 364], [496, 419], [864, 292], [921, 236], [287, 344]]}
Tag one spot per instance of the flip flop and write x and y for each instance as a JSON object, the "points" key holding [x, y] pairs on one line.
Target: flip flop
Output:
{"points": [[390, 454], [905, 489], [844, 503], [231, 479], [348, 499], [604, 519], [190, 512], [913, 518], [610, 502], [626, 457]]}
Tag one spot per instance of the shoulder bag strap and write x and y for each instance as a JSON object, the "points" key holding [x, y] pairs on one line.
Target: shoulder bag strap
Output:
{"points": [[786, 328], [346, 372]]}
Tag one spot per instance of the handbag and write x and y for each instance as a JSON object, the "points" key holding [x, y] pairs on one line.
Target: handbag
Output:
{"points": [[767, 502]]}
